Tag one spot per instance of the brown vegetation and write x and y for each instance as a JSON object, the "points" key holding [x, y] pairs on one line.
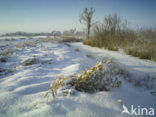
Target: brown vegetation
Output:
{"points": [[114, 34]]}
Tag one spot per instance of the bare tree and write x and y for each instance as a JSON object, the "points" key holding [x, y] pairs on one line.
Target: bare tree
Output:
{"points": [[86, 18]]}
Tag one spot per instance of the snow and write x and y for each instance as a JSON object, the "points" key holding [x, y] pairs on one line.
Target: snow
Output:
{"points": [[133, 63], [21, 90]]}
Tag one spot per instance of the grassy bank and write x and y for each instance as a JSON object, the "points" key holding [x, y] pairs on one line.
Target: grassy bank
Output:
{"points": [[114, 33]]}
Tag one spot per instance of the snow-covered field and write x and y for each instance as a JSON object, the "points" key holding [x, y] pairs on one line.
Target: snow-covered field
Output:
{"points": [[21, 89]]}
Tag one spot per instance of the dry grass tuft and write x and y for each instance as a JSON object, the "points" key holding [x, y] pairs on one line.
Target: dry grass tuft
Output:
{"points": [[30, 61], [58, 83], [147, 81], [101, 77]]}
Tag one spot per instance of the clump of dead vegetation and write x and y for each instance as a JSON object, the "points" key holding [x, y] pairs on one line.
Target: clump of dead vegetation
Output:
{"points": [[104, 76], [3, 59], [30, 61], [33, 43], [67, 44], [58, 83], [10, 39], [35, 60], [147, 81], [69, 39], [89, 55], [95, 79], [77, 50], [4, 71], [30, 43], [7, 52]]}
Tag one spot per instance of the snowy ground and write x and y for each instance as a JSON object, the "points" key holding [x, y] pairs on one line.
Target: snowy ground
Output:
{"points": [[22, 89]]}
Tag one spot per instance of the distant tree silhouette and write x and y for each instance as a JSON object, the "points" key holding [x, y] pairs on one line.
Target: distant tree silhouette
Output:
{"points": [[86, 18]]}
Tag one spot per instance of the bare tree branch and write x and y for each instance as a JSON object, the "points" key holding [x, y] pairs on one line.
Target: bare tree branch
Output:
{"points": [[86, 18]]}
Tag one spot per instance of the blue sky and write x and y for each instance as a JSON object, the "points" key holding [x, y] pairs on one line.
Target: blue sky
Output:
{"points": [[48, 15]]}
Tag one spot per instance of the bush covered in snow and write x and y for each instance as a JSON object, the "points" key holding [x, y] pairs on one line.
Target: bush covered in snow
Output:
{"points": [[98, 78], [102, 77]]}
